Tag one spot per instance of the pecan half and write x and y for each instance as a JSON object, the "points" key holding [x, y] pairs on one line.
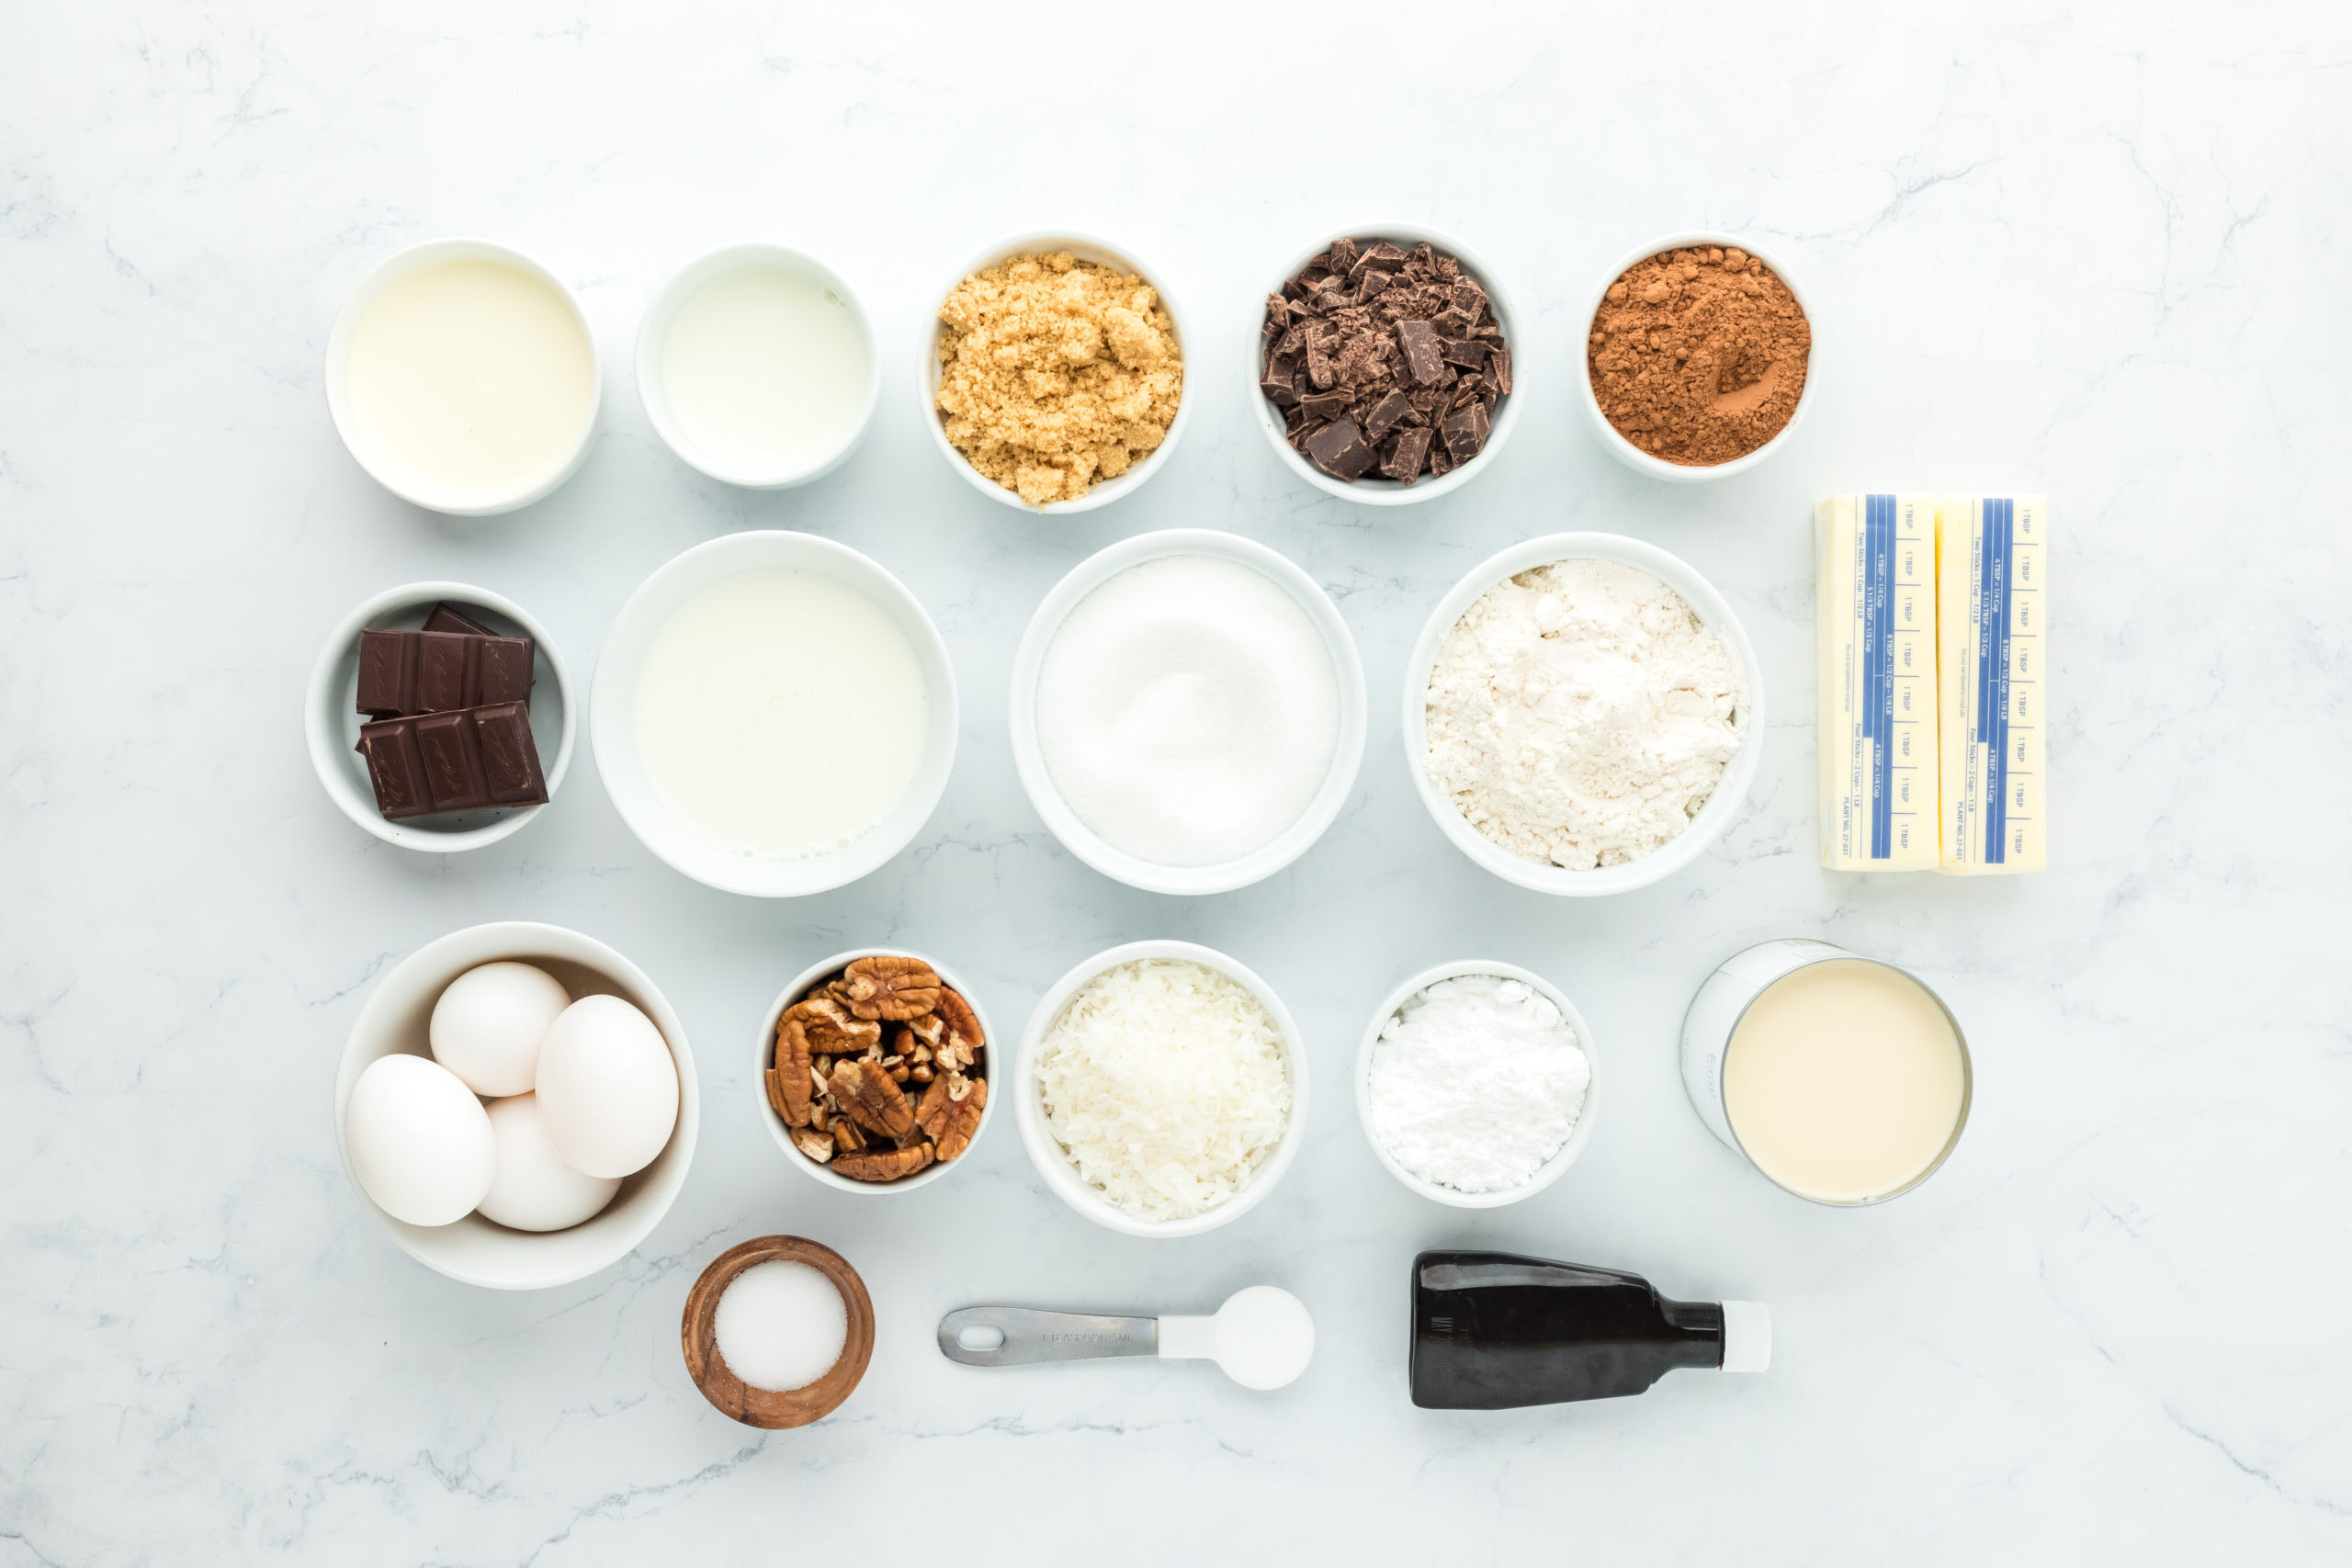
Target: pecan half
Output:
{"points": [[952, 1123], [884, 1165], [963, 1024], [818, 1146], [832, 1031], [864, 1092], [887, 986], [788, 1085]]}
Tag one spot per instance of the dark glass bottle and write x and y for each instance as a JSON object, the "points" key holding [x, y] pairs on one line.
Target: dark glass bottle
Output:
{"points": [[1491, 1330]]}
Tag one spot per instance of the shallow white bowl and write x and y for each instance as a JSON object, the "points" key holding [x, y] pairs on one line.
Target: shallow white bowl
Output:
{"points": [[764, 1045], [1633, 457], [1085, 248], [1046, 1150], [653, 335], [473, 1250], [612, 712], [386, 469], [1731, 792], [331, 721], [1374, 491], [1578, 1135], [1089, 846]]}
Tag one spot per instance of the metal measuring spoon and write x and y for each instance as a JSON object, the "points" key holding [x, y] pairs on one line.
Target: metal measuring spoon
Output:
{"points": [[1262, 1336]]}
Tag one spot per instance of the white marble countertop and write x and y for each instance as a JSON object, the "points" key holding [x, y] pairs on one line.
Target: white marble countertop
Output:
{"points": [[2100, 256]]}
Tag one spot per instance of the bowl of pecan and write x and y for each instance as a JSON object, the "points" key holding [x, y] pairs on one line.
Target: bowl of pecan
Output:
{"points": [[874, 1068]]}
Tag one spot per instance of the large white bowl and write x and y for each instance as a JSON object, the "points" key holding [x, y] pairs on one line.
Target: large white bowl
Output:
{"points": [[1085, 248], [1089, 846], [612, 712], [1046, 1150], [330, 718], [389, 471], [1372, 490], [1578, 1135], [764, 1045], [473, 1250], [653, 336], [1731, 791], [1633, 457]]}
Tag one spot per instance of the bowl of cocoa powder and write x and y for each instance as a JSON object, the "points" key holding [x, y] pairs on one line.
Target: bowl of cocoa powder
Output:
{"points": [[1699, 358]]}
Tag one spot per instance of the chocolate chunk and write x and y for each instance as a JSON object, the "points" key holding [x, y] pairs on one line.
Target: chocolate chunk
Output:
{"points": [[448, 617], [1451, 323], [1419, 341], [1293, 343], [1386, 414], [505, 671], [1465, 431], [1342, 451], [1499, 369], [1318, 363], [1467, 352], [510, 756], [1279, 383], [1343, 255], [1327, 406], [387, 673], [1277, 311], [1406, 455], [1375, 283], [1469, 298], [1439, 462], [395, 768]]}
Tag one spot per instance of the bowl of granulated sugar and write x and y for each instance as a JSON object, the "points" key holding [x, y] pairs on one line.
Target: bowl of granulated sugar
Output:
{"points": [[1477, 1084]]}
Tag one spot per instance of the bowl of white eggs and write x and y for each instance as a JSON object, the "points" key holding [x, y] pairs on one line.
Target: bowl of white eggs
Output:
{"points": [[517, 1105]]}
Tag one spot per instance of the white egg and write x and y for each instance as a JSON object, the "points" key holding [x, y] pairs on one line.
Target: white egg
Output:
{"points": [[418, 1141], [488, 1023], [608, 1090], [535, 1188]]}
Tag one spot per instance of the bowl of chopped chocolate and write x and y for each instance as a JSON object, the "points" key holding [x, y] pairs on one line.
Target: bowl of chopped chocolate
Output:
{"points": [[1698, 360], [874, 1068], [1383, 368], [438, 717]]}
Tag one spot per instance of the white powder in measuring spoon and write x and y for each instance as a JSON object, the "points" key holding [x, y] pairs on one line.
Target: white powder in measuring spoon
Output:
{"points": [[1187, 711], [1476, 1082], [781, 1325]]}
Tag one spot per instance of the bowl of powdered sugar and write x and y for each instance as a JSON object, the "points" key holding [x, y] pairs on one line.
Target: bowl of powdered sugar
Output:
{"points": [[1581, 714], [1477, 1084]]}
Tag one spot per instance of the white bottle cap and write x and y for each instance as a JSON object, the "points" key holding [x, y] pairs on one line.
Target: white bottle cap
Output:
{"points": [[1747, 1337]]}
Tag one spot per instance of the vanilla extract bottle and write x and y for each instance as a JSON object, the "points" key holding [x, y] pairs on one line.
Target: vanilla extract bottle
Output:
{"points": [[1492, 1330]]}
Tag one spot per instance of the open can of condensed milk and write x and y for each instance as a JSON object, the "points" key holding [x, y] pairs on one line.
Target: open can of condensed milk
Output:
{"points": [[1842, 1079]]}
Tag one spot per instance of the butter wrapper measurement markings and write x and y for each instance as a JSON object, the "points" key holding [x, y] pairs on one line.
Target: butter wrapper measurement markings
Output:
{"points": [[1992, 586], [1874, 559]]}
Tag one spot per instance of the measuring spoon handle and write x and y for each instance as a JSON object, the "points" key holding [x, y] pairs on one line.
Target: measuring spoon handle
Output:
{"points": [[1030, 1337]]}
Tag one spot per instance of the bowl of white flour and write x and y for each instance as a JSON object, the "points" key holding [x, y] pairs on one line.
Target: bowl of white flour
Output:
{"points": [[1582, 715], [1477, 1084]]}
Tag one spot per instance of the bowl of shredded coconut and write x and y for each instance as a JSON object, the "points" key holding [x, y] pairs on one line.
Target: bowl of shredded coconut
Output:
{"points": [[1477, 1084], [1161, 1089], [1581, 714]]}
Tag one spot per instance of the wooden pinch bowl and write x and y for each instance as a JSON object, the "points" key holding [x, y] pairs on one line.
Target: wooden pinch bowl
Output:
{"points": [[698, 1334]]}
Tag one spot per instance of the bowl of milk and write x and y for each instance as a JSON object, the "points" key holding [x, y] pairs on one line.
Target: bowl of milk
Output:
{"points": [[462, 374], [756, 365], [773, 713]]}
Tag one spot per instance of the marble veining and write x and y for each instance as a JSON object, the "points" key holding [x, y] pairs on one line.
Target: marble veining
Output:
{"points": [[2096, 251]]}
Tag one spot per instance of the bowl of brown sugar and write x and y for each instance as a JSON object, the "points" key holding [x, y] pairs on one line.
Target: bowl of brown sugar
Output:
{"points": [[1699, 358], [1052, 374]]}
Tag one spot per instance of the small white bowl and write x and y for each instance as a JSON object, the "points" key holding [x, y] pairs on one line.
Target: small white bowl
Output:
{"points": [[1578, 1135], [474, 1250], [1046, 1150], [1089, 846], [653, 336], [331, 717], [762, 1054], [1731, 791], [1372, 490], [389, 471], [1633, 457], [1085, 248], [612, 712]]}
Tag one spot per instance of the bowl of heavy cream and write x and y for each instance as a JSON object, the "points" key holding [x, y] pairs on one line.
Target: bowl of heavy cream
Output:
{"points": [[773, 713], [462, 377], [756, 365]]}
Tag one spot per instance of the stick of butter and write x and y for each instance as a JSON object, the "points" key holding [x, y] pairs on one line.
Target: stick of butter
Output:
{"points": [[1874, 630], [1991, 597]]}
